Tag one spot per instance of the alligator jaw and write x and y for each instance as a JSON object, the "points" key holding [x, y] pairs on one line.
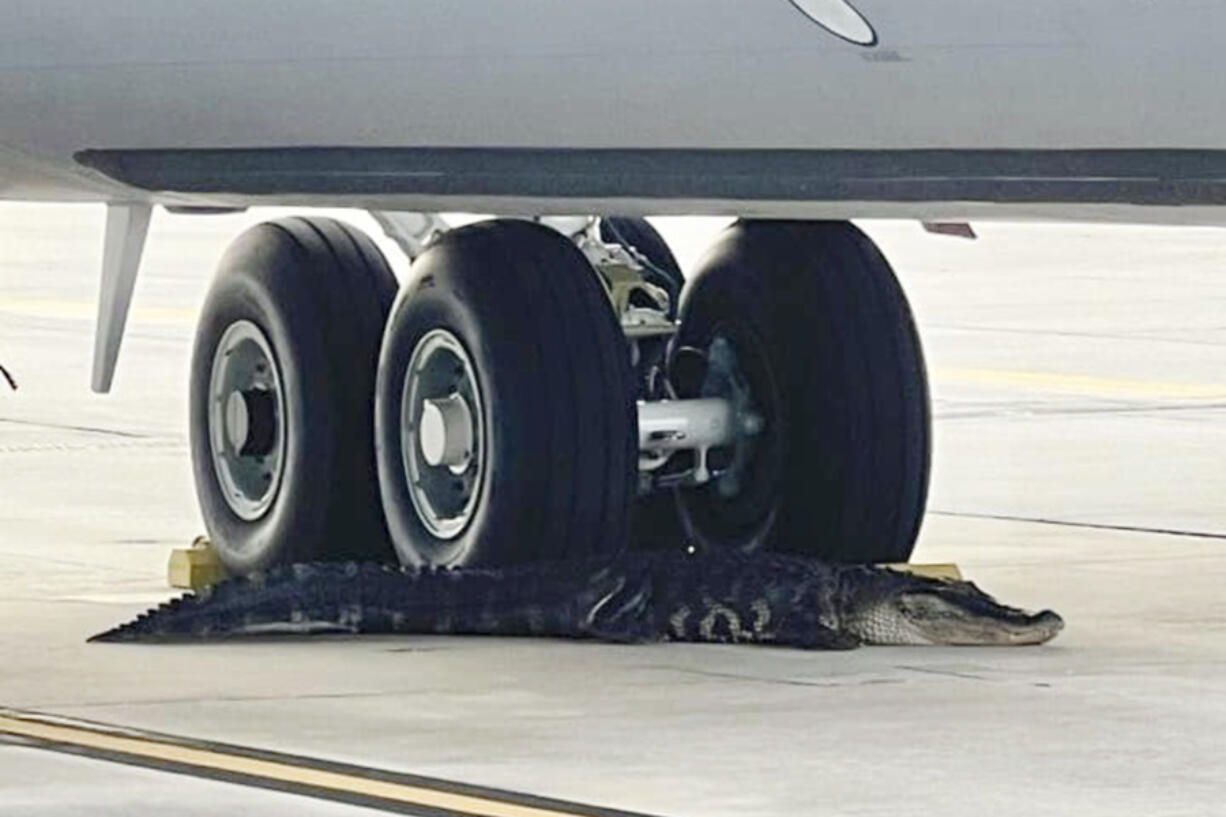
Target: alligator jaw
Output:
{"points": [[963, 628], [911, 610]]}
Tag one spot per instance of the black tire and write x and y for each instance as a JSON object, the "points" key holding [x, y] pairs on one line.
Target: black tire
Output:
{"points": [[320, 291], [827, 341], [638, 234], [556, 392]]}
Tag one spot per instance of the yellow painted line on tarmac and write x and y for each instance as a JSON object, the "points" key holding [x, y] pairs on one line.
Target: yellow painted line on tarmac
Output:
{"points": [[52, 309], [1078, 384], [373, 788]]}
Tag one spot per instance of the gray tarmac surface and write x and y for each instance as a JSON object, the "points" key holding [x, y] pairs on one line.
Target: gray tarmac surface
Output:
{"points": [[1079, 379]]}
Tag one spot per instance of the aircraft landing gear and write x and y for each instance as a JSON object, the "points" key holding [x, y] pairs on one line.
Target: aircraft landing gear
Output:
{"points": [[532, 396]]}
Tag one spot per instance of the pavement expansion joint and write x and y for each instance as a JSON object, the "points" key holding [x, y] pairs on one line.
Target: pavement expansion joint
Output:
{"points": [[1069, 523]]}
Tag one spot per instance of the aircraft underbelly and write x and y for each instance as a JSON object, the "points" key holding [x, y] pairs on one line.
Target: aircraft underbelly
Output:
{"points": [[686, 75]]}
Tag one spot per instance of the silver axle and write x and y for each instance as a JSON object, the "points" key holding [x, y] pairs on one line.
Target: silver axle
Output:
{"points": [[675, 425], [698, 425]]}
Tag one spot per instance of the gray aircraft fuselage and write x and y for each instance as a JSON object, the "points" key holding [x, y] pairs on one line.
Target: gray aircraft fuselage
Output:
{"points": [[924, 108]]}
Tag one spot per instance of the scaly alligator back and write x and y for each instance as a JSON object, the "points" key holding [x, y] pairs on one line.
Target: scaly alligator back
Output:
{"points": [[760, 598]]}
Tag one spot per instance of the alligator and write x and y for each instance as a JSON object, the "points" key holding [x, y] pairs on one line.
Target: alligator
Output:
{"points": [[635, 597]]}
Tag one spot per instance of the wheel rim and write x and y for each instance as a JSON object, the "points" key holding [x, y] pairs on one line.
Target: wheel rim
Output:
{"points": [[246, 420], [738, 508], [442, 434]]}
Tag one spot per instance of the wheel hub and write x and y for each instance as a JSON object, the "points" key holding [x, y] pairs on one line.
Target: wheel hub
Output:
{"points": [[251, 421], [725, 379], [443, 444], [446, 432], [246, 420]]}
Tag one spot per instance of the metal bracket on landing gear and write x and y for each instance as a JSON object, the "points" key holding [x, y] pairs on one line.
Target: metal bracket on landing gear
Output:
{"points": [[641, 307], [412, 232]]}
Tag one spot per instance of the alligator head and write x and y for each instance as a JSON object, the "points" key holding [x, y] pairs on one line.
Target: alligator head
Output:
{"points": [[897, 608]]}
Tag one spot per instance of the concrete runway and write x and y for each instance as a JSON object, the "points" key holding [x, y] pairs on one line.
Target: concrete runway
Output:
{"points": [[1079, 378]]}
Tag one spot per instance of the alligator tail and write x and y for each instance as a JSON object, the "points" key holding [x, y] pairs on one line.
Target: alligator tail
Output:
{"points": [[372, 598]]}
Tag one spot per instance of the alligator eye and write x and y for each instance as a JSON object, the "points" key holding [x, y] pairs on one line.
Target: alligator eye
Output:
{"points": [[840, 18]]}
